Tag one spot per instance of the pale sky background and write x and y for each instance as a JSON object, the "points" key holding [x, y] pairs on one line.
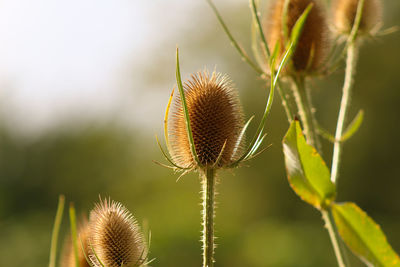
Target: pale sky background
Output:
{"points": [[88, 59]]}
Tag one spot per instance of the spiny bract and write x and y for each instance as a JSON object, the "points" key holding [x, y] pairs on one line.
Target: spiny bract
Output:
{"points": [[215, 118], [312, 44], [115, 237]]}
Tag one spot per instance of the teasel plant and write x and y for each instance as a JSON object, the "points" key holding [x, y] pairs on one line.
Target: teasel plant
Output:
{"points": [[111, 238], [207, 132], [315, 56]]}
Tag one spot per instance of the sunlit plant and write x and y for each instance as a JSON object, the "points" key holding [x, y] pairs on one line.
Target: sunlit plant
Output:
{"points": [[205, 132], [111, 238], [308, 175]]}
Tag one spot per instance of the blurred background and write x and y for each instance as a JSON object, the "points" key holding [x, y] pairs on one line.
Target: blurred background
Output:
{"points": [[84, 86]]}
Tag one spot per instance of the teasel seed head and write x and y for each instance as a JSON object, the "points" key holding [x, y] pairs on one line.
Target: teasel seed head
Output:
{"points": [[115, 237], [68, 257], [345, 12], [216, 120], [312, 45]]}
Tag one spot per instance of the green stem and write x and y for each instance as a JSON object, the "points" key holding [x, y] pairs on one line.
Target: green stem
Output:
{"points": [[313, 119], [334, 237], [306, 116], [208, 184], [74, 233], [284, 100], [56, 230], [344, 105], [234, 43]]}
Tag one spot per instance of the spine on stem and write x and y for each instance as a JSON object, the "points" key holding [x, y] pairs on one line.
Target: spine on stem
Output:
{"points": [[208, 184], [305, 112]]}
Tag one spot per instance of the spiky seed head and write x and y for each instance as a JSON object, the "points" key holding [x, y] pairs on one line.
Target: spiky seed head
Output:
{"points": [[115, 236], [216, 119], [345, 12], [311, 48], [68, 256]]}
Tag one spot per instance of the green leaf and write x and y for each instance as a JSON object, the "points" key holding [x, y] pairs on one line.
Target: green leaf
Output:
{"points": [[354, 126], [307, 172], [298, 27], [185, 109], [363, 236], [56, 231], [325, 134]]}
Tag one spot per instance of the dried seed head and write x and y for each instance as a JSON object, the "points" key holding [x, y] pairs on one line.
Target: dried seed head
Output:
{"points": [[68, 257], [216, 119], [345, 13], [115, 236], [311, 48]]}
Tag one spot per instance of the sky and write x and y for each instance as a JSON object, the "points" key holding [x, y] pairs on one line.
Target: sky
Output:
{"points": [[63, 60]]}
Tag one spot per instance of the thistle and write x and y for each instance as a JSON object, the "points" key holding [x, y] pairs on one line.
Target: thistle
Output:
{"points": [[206, 133], [115, 237], [312, 43], [216, 120], [345, 11]]}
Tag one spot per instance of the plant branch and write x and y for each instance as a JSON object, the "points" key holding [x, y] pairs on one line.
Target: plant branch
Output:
{"points": [[306, 116], [344, 105], [208, 190], [333, 236], [285, 103], [234, 43]]}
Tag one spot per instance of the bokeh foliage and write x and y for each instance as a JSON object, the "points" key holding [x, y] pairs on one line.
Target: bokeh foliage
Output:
{"points": [[260, 219]]}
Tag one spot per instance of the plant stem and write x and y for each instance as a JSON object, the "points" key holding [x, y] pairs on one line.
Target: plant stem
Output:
{"points": [[313, 119], [303, 105], [74, 233], [334, 237], [234, 43], [56, 230], [208, 183], [285, 104], [344, 105]]}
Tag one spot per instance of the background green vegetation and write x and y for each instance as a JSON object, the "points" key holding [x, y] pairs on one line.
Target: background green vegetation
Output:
{"points": [[260, 222]]}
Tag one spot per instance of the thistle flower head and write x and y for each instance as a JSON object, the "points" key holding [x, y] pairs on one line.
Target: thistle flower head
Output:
{"points": [[115, 237], [216, 121], [68, 257], [345, 12], [311, 47]]}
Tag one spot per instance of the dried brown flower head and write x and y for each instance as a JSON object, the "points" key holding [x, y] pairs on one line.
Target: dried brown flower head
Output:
{"points": [[311, 48], [68, 257], [345, 13], [115, 236], [215, 117]]}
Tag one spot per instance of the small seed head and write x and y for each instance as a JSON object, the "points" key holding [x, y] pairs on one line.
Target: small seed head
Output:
{"points": [[115, 237], [68, 257], [216, 119], [311, 48], [345, 12]]}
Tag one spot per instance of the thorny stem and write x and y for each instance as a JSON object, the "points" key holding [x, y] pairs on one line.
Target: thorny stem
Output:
{"points": [[284, 100], [313, 119], [344, 105], [334, 237], [208, 190], [306, 116]]}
